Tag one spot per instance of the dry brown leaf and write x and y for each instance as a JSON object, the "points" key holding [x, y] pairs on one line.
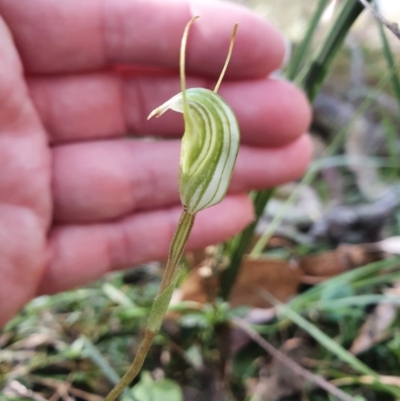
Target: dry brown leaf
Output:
{"points": [[277, 277], [339, 260], [374, 329], [198, 287]]}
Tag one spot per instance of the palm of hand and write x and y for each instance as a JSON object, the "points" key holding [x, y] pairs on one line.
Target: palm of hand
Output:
{"points": [[78, 199]]}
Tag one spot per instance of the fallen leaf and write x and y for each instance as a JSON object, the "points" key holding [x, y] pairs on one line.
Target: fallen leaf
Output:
{"points": [[278, 277], [374, 329], [330, 263]]}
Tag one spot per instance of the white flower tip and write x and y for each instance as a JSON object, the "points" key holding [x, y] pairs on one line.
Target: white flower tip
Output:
{"points": [[162, 109], [155, 112]]}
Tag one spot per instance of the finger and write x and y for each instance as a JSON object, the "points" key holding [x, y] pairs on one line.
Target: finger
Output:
{"points": [[23, 144], [72, 36], [24, 185], [110, 179], [81, 254], [80, 107], [22, 257]]}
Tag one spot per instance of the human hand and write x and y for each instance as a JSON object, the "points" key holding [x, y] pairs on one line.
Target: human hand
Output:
{"points": [[77, 198]]}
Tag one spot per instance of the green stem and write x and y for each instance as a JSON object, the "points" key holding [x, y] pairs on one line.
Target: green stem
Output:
{"points": [[161, 302], [314, 74], [134, 369], [390, 61], [301, 52], [177, 247]]}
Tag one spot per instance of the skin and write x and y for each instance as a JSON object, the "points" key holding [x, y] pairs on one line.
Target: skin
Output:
{"points": [[78, 198]]}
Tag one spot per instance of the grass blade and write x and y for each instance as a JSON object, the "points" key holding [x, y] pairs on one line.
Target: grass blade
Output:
{"points": [[334, 347], [387, 52], [94, 354], [313, 75], [302, 50]]}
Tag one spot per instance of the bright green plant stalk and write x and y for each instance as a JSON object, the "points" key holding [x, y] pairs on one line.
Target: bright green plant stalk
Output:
{"points": [[390, 60], [302, 50], [313, 75], [209, 149]]}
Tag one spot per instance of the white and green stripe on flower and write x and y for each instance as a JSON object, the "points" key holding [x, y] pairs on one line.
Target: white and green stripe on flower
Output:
{"points": [[209, 147]]}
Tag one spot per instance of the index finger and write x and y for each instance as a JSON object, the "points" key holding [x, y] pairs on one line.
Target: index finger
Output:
{"points": [[75, 35]]}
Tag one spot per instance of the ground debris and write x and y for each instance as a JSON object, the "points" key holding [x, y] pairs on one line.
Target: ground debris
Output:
{"points": [[379, 320]]}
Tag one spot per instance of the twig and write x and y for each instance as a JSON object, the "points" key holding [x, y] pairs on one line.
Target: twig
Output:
{"points": [[16, 389], [295, 367], [54, 383], [392, 26], [61, 391]]}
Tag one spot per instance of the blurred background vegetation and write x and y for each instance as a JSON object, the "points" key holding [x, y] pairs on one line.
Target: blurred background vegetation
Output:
{"points": [[312, 313]]}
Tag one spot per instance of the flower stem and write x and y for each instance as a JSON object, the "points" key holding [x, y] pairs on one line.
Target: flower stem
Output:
{"points": [[177, 247], [161, 302]]}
